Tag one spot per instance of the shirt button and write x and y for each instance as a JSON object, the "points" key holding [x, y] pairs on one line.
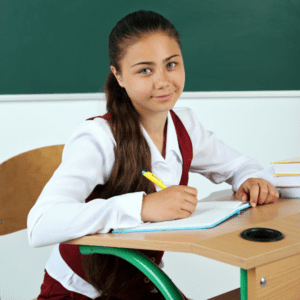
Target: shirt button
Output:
{"points": [[146, 280], [153, 259]]}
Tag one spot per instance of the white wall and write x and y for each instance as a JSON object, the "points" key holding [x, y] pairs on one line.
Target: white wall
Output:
{"points": [[264, 127]]}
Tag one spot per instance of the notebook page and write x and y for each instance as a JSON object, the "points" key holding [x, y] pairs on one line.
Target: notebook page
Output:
{"points": [[206, 215]]}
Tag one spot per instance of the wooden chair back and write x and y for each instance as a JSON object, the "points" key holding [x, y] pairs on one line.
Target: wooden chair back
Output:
{"points": [[22, 179]]}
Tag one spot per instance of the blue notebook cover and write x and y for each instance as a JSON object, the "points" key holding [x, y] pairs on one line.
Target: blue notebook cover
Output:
{"points": [[206, 215]]}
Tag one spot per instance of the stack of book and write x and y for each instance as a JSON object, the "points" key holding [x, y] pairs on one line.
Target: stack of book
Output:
{"points": [[287, 173]]}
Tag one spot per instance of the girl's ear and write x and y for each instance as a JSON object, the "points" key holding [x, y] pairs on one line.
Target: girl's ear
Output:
{"points": [[118, 77]]}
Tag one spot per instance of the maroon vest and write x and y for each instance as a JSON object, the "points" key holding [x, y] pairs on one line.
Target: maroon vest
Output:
{"points": [[71, 254]]}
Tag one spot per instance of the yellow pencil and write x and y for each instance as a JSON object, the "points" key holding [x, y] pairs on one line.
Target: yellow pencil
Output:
{"points": [[154, 179]]}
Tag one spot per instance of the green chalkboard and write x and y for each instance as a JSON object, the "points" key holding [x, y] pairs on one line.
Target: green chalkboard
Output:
{"points": [[61, 46]]}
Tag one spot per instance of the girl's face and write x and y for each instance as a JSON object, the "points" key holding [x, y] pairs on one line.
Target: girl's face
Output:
{"points": [[152, 67]]}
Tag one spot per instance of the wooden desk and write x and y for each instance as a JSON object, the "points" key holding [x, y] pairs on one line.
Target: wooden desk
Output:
{"points": [[278, 262]]}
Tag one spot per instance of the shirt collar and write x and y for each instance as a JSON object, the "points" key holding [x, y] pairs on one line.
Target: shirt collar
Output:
{"points": [[171, 145]]}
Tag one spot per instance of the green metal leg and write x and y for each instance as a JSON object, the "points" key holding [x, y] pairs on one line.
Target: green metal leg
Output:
{"points": [[244, 284], [162, 282]]}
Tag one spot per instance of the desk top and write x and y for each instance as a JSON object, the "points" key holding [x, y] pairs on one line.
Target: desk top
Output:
{"points": [[221, 243]]}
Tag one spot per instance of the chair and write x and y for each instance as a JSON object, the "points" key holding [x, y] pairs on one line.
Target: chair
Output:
{"points": [[24, 177]]}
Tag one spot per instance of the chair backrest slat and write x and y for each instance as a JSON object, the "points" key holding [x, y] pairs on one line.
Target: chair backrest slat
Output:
{"points": [[22, 179]]}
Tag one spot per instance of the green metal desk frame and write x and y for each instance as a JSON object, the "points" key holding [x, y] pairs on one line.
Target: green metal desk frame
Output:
{"points": [[162, 282], [244, 284]]}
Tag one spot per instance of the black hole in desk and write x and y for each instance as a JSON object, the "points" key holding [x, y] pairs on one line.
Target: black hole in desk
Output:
{"points": [[262, 235]]}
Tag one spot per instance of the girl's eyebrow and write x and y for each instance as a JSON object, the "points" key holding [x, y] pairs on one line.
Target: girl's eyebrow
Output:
{"points": [[152, 63]]}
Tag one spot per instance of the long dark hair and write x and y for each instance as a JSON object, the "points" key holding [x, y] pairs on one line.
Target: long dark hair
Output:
{"points": [[132, 152]]}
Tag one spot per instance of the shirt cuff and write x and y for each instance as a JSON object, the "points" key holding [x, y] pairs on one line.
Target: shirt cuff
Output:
{"points": [[129, 207]]}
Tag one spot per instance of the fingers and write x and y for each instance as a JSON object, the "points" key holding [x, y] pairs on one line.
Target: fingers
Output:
{"points": [[191, 190], [258, 190], [267, 192], [242, 195], [254, 194], [273, 194], [248, 191], [189, 204], [189, 207], [263, 193]]}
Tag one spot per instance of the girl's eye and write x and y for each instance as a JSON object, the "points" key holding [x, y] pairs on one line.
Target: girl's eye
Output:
{"points": [[141, 72], [173, 62]]}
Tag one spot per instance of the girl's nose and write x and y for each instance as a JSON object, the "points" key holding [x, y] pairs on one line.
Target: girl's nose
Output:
{"points": [[162, 79]]}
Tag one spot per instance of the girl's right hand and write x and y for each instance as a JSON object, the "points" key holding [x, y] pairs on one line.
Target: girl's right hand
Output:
{"points": [[175, 202]]}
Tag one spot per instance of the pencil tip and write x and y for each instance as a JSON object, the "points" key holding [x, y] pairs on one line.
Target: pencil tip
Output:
{"points": [[143, 172]]}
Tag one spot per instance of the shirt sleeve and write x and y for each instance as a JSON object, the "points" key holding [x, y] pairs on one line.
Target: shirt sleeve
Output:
{"points": [[217, 161], [60, 213]]}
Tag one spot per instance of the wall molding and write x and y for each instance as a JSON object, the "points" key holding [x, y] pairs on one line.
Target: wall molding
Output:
{"points": [[184, 95]]}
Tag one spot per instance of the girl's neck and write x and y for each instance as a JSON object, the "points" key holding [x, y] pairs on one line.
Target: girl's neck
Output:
{"points": [[155, 125]]}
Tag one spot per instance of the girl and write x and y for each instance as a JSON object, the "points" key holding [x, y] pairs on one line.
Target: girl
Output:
{"points": [[99, 185]]}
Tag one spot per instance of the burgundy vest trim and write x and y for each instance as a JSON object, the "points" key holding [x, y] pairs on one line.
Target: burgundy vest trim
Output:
{"points": [[107, 117], [185, 146], [70, 253]]}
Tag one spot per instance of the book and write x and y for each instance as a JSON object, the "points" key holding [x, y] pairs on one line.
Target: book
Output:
{"points": [[289, 192], [206, 215], [287, 166], [287, 180]]}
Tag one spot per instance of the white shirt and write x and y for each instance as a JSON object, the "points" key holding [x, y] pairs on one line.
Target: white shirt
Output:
{"points": [[61, 214]]}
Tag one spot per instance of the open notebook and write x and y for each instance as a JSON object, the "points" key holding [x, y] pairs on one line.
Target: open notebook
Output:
{"points": [[206, 215]]}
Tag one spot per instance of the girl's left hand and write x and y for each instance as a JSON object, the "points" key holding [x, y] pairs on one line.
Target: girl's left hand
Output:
{"points": [[258, 190]]}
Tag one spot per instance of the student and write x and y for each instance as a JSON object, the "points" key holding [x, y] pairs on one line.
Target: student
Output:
{"points": [[99, 185]]}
